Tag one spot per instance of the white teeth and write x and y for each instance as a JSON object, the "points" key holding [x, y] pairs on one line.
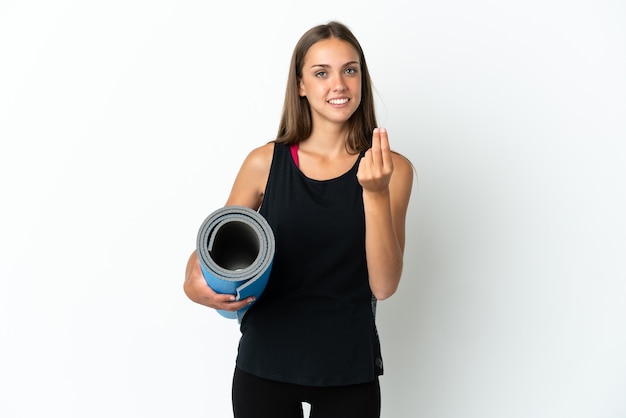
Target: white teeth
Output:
{"points": [[338, 101]]}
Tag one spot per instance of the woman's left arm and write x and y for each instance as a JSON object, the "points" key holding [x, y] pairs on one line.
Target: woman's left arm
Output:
{"points": [[387, 179]]}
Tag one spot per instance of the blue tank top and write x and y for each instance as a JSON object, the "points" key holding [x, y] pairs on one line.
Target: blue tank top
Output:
{"points": [[315, 322]]}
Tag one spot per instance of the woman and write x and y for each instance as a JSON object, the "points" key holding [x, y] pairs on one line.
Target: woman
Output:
{"points": [[336, 198]]}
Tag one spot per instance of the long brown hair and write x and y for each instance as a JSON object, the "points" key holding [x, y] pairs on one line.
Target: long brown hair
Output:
{"points": [[296, 123]]}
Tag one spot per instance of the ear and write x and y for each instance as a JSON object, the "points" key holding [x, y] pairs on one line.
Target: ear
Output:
{"points": [[301, 91]]}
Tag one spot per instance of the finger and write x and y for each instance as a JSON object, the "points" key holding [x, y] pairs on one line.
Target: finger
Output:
{"points": [[229, 302], [367, 159], [236, 305], [364, 165], [376, 151], [385, 148], [223, 298], [376, 139]]}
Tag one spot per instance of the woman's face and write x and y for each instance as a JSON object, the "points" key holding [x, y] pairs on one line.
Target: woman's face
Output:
{"points": [[331, 81]]}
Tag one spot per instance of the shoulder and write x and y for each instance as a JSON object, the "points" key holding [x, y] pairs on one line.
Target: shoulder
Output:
{"points": [[258, 162], [402, 167], [251, 180], [260, 158], [400, 159], [401, 183]]}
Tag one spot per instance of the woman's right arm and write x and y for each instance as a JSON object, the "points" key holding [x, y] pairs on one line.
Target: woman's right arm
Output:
{"points": [[247, 190], [198, 290]]}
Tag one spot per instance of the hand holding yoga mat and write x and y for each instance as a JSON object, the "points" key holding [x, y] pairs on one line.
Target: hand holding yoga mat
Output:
{"points": [[235, 247]]}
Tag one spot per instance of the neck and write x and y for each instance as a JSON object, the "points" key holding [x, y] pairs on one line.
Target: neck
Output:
{"points": [[329, 139]]}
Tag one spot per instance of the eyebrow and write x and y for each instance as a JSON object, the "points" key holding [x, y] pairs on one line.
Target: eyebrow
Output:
{"points": [[328, 66]]}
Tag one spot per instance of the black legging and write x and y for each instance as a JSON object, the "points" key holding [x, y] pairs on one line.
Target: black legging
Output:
{"points": [[254, 397]]}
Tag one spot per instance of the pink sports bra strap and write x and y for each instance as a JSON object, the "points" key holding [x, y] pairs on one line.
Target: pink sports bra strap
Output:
{"points": [[294, 153]]}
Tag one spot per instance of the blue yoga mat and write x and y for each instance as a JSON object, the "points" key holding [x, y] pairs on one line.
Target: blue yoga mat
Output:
{"points": [[235, 247]]}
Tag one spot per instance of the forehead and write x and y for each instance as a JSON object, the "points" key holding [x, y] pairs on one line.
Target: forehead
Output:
{"points": [[331, 51]]}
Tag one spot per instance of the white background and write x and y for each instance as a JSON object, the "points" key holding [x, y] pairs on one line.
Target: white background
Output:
{"points": [[123, 123]]}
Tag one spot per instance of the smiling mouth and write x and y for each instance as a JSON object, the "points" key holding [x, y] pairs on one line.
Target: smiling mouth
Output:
{"points": [[338, 101]]}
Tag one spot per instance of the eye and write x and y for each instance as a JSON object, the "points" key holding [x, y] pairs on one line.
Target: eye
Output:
{"points": [[350, 71], [320, 74]]}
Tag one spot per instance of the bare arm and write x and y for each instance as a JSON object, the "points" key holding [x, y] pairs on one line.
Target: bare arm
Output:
{"points": [[247, 190], [387, 180], [197, 290]]}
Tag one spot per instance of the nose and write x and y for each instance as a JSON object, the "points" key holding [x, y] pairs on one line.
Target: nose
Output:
{"points": [[338, 83]]}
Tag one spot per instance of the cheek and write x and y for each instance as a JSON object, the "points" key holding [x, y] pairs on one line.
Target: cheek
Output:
{"points": [[309, 89], [356, 88]]}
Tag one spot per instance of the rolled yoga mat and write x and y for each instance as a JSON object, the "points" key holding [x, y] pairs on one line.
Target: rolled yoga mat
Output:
{"points": [[235, 247]]}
